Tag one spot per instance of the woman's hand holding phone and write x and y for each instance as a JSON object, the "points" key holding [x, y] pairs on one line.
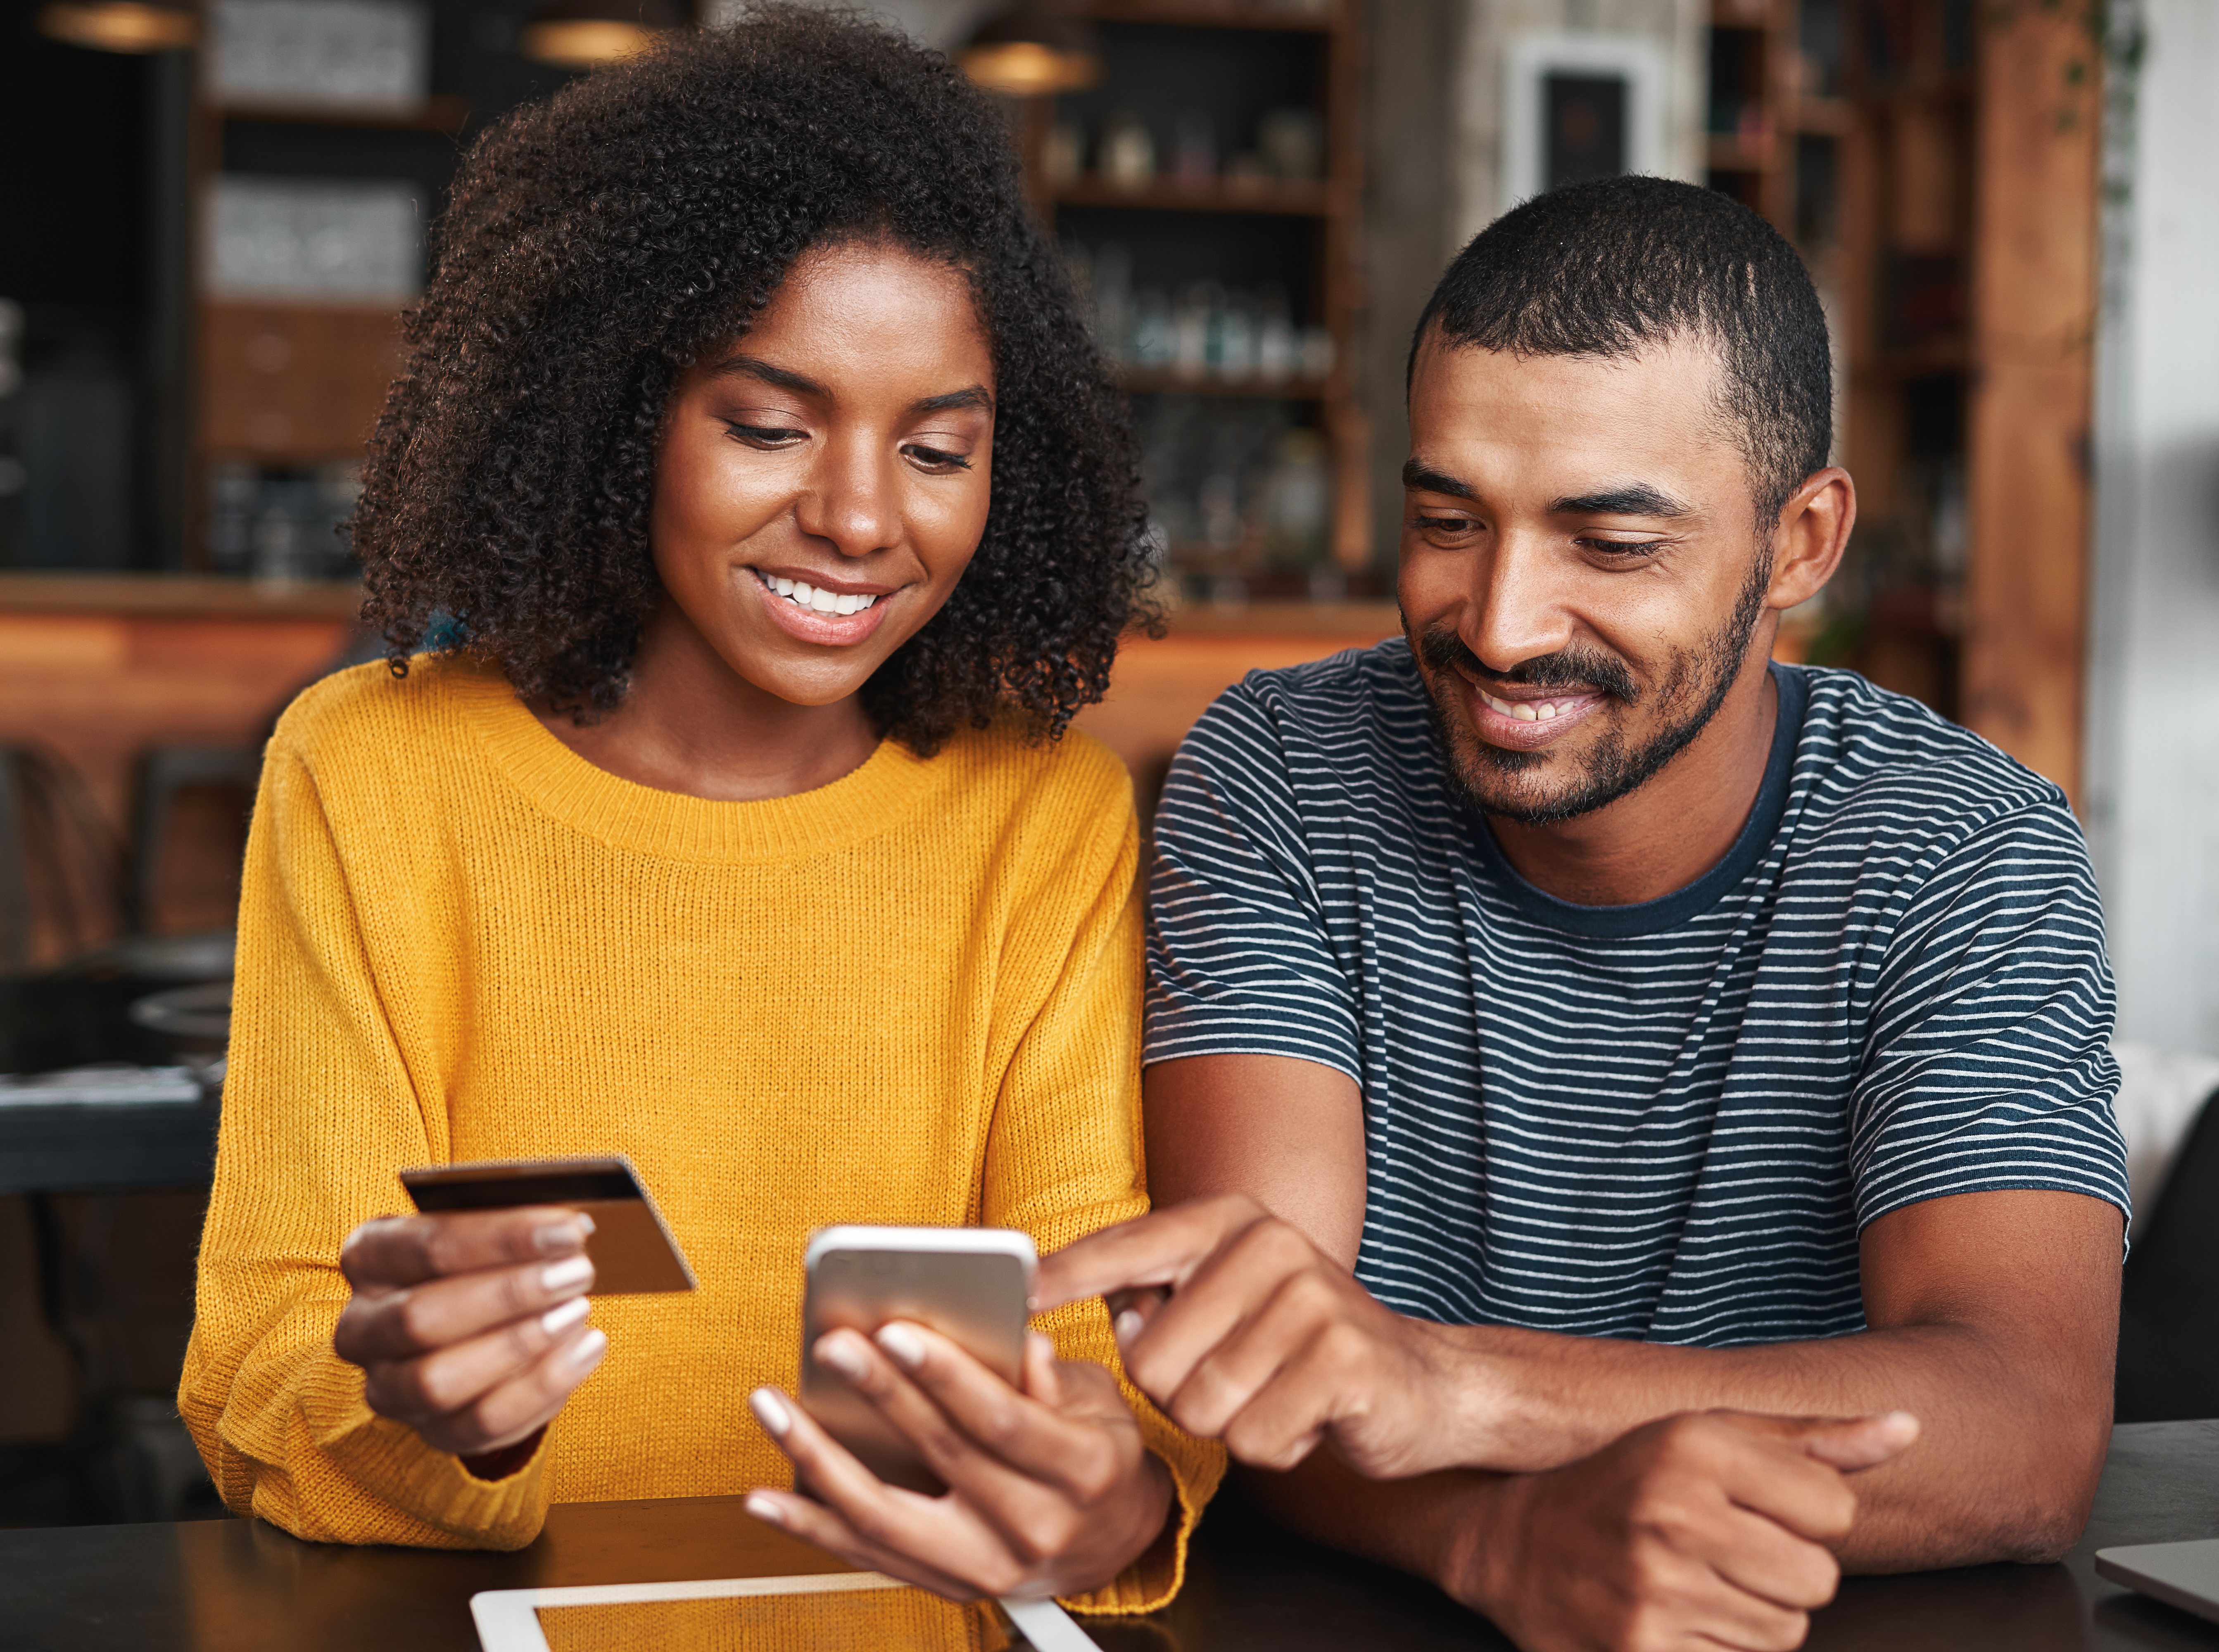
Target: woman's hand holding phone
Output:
{"points": [[1049, 1488], [470, 1327]]}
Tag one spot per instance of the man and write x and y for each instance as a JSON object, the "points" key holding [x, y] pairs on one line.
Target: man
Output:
{"points": [[1644, 1055]]}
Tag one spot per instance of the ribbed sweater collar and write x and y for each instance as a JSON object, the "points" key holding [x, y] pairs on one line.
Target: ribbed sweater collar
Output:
{"points": [[876, 797]]}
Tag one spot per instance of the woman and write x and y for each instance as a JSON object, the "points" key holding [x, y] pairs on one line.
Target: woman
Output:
{"points": [[770, 516]]}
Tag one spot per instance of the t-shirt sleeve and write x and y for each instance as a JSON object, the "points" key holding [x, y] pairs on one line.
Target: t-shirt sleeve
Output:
{"points": [[1988, 1065], [1242, 960]]}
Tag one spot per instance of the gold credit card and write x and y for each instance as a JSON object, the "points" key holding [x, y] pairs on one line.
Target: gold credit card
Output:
{"points": [[631, 1247]]}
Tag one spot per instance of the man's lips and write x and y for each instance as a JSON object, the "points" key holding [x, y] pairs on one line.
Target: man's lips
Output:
{"points": [[1517, 717]]}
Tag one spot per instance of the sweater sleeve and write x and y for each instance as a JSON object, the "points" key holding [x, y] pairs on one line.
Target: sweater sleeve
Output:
{"points": [[1065, 1157], [319, 1108]]}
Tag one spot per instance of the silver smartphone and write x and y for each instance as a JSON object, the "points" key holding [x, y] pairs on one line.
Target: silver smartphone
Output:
{"points": [[970, 1284]]}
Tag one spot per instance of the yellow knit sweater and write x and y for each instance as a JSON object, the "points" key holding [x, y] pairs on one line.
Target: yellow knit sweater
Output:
{"points": [[911, 996]]}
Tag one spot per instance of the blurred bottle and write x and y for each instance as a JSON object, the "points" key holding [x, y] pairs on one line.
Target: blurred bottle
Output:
{"points": [[1319, 352], [1293, 145], [1192, 323], [1128, 152], [1220, 503], [1194, 150], [1063, 152], [1113, 302], [1234, 357], [1297, 502], [1279, 346], [1155, 332]]}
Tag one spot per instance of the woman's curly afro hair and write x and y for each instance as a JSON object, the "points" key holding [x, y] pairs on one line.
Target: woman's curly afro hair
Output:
{"points": [[598, 244]]}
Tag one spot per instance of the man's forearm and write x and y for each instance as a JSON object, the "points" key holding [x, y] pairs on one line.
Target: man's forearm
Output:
{"points": [[2011, 1438], [1427, 1525]]}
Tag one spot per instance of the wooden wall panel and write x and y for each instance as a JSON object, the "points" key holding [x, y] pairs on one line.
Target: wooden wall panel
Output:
{"points": [[283, 384], [2035, 295]]}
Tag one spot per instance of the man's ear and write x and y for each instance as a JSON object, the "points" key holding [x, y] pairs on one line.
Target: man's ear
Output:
{"points": [[1812, 532]]}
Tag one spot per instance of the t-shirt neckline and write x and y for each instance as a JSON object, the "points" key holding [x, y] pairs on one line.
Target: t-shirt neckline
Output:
{"points": [[1670, 911]]}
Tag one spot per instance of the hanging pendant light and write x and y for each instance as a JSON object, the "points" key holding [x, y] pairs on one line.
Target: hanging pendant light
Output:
{"points": [[121, 25], [585, 34], [1031, 51]]}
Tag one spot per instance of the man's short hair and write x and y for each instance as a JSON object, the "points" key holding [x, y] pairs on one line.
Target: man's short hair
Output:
{"points": [[1608, 267]]}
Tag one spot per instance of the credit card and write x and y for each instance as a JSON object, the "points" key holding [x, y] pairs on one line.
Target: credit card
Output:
{"points": [[632, 1249]]}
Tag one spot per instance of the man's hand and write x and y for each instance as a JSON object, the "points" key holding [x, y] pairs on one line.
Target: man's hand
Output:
{"points": [[1704, 1531], [1049, 1489], [470, 1327], [1267, 1342]]}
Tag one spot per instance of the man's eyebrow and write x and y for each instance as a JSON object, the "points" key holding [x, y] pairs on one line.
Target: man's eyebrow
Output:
{"points": [[1635, 498], [1421, 478]]}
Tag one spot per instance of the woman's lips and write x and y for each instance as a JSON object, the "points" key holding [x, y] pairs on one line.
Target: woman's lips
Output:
{"points": [[808, 625], [1528, 723]]}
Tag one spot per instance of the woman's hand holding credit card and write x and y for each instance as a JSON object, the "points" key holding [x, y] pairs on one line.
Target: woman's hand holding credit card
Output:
{"points": [[470, 1318]]}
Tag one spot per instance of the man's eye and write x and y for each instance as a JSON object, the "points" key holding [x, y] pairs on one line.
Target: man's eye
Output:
{"points": [[763, 435], [1446, 524], [1625, 547], [933, 458]]}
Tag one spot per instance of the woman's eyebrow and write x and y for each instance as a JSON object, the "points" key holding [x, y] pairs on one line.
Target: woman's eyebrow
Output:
{"points": [[976, 396], [755, 368]]}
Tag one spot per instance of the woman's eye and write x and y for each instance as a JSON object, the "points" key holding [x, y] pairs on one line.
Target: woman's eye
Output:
{"points": [[933, 458], [763, 435]]}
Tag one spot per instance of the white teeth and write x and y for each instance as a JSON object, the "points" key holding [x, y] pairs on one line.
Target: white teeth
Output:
{"points": [[802, 594], [1523, 710]]}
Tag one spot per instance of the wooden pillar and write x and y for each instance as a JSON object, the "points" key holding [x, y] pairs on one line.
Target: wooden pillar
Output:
{"points": [[2034, 298]]}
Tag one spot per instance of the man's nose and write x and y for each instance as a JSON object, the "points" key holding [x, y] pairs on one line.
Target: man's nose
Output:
{"points": [[1518, 610]]}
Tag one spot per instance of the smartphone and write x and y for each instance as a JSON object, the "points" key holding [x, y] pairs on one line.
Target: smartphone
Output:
{"points": [[631, 1247], [970, 1284]]}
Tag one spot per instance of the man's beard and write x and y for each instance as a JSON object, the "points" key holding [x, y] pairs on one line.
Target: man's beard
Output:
{"points": [[1686, 701]]}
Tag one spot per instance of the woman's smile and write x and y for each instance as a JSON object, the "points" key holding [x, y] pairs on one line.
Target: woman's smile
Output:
{"points": [[836, 614]]}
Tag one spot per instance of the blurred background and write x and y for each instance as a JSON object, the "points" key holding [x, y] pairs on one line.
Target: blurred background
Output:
{"points": [[211, 215]]}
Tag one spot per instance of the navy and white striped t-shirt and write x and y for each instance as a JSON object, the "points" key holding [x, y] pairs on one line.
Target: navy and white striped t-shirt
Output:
{"points": [[1671, 1121]]}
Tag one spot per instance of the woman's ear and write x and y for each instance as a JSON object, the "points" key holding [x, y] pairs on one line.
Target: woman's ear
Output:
{"points": [[1812, 532]]}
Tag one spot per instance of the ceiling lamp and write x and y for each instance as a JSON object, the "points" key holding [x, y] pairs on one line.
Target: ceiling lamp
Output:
{"points": [[585, 34], [121, 25], [1030, 51]]}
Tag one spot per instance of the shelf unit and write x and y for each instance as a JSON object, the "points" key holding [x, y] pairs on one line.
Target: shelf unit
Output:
{"points": [[1226, 62]]}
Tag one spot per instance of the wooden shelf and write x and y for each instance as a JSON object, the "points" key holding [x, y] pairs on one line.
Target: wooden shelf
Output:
{"points": [[1725, 154], [1156, 380], [1203, 14], [178, 595], [440, 113], [1831, 117], [1168, 195]]}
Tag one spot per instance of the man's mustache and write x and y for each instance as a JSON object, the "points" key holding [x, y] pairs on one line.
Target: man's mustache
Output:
{"points": [[1575, 669]]}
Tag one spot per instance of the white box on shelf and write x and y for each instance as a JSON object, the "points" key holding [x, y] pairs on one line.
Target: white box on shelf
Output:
{"points": [[367, 55], [327, 240]]}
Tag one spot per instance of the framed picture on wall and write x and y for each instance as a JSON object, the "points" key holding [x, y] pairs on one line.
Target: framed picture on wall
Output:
{"points": [[1580, 106]]}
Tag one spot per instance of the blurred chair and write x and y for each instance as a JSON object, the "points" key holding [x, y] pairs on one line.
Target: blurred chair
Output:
{"points": [[58, 863], [164, 773], [2169, 1307]]}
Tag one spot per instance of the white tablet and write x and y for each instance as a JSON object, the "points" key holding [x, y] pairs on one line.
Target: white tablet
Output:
{"points": [[736, 1614]]}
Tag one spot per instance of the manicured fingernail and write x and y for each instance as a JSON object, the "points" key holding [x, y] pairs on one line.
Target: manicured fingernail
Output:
{"points": [[770, 1411], [566, 1274], [588, 1348], [764, 1510], [903, 1345], [556, 1320], [558, 1237], [841, 1358], [1127, 1326]]}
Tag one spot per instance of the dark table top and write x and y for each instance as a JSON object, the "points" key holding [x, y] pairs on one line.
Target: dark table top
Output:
{"points": [[240, 1585]]}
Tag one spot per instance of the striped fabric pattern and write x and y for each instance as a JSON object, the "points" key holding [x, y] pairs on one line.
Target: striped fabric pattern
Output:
{"points": [[1668, 1121]]}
